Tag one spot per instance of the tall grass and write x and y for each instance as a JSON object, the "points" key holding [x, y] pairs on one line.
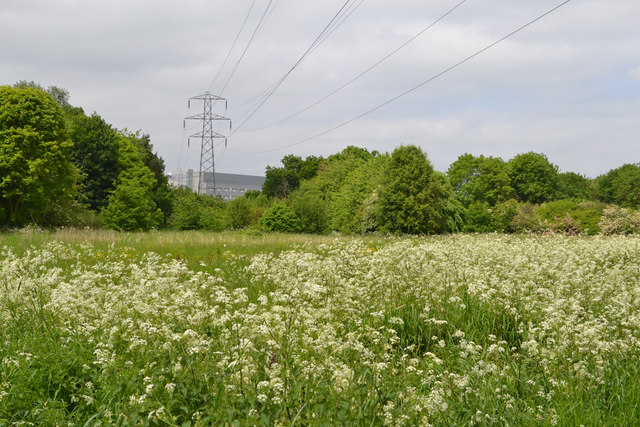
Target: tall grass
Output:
{"points": [[104, 328]]}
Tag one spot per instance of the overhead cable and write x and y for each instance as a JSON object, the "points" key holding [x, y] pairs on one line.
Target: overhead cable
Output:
{"points": [[324, 98], [456, 65], [318, 40], [233, 45]]}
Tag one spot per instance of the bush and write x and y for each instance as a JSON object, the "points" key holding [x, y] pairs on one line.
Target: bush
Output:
{"points": [[186, 210], [616, 220], [634, 222], [503, 214], [557, 210], [311, 211], [212, 218], [526, 220], [238, 213], [478, 218], [280, 217], [588, 215]]}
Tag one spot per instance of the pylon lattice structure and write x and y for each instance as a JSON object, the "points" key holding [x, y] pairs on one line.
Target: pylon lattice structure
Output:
{"points": [[207, 177]]}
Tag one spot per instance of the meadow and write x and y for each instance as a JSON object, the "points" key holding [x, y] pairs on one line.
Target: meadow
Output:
{"points": [[197, 329]]}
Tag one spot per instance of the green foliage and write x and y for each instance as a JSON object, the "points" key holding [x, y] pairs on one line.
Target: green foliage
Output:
{"points": [[587, 215], [131, 205], [37, 178], [556, 210], [281, 181], [481, 179], [311, 210], [621, 186], [478, 218], [503, 214], [238, 213], [161, 191], [280, 217], [212, 217], [412, 199], [333, 172], [533, 177], [353, 207], [95, 152], [60, 95], [526, 220], [575, 187], [616, 220]]}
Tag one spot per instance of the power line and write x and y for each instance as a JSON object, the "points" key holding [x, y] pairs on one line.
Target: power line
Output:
{"points": [[273, 86], [467, 59], [317, 41], [347, 13], [233, 45], [289, 117], [253, 36]]}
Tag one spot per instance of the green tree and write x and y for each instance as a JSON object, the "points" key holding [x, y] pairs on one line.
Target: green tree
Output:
{"points": [[412, 200], [533, 177], [621, 186], [161, 192], [280, 217], [37, 178], [333, 172], [238, 213], [351, 210], [281, 181], [130, 205], [478, 218], [575, 187], [95, 152], [311, 210], [481, 179]]}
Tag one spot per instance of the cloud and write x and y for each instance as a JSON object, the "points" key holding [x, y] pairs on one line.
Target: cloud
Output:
{"points": [[561, 86]]}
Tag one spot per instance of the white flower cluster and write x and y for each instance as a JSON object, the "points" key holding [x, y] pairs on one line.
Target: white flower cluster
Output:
{"points": [[406, 332]]}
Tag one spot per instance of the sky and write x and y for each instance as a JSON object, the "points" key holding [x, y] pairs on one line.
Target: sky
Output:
{"points": [[568, 85]]}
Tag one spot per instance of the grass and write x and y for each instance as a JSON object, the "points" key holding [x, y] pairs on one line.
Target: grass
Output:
{"points": [[193, 328]]}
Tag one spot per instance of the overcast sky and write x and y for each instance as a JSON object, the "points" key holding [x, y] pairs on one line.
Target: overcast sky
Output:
{"points": [[567, 86]]}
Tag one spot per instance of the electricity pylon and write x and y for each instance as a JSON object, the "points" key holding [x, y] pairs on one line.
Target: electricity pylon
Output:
{"points": [[207, 180]]}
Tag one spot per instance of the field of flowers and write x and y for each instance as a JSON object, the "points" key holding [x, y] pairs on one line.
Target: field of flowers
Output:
{"points": [[454, 330]]}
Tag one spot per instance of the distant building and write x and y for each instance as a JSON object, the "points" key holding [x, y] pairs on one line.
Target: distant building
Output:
{"points": [[228, 185]]}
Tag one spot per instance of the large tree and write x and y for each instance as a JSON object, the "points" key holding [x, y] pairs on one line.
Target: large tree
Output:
{"points": [[412, 199], [621, 186], [37, 178], [95, 153], [130, 205], [533, 177], [480, 179], [281, 181]]}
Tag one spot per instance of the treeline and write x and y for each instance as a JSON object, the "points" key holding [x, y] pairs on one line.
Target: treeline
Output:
{"points": [[357, 191], [59, 166]]}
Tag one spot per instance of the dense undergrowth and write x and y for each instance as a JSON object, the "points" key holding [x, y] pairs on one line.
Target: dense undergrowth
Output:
{"points": [[455, 330]]}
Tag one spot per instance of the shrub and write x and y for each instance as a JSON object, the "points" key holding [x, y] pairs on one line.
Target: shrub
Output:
{"points": [[588, 215], [238, 213], [502, 215], [212, 218], [311, 211], [280, 217], [526, 220], [634, 222], [616, 220], [556, 210], [478, 218]]}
